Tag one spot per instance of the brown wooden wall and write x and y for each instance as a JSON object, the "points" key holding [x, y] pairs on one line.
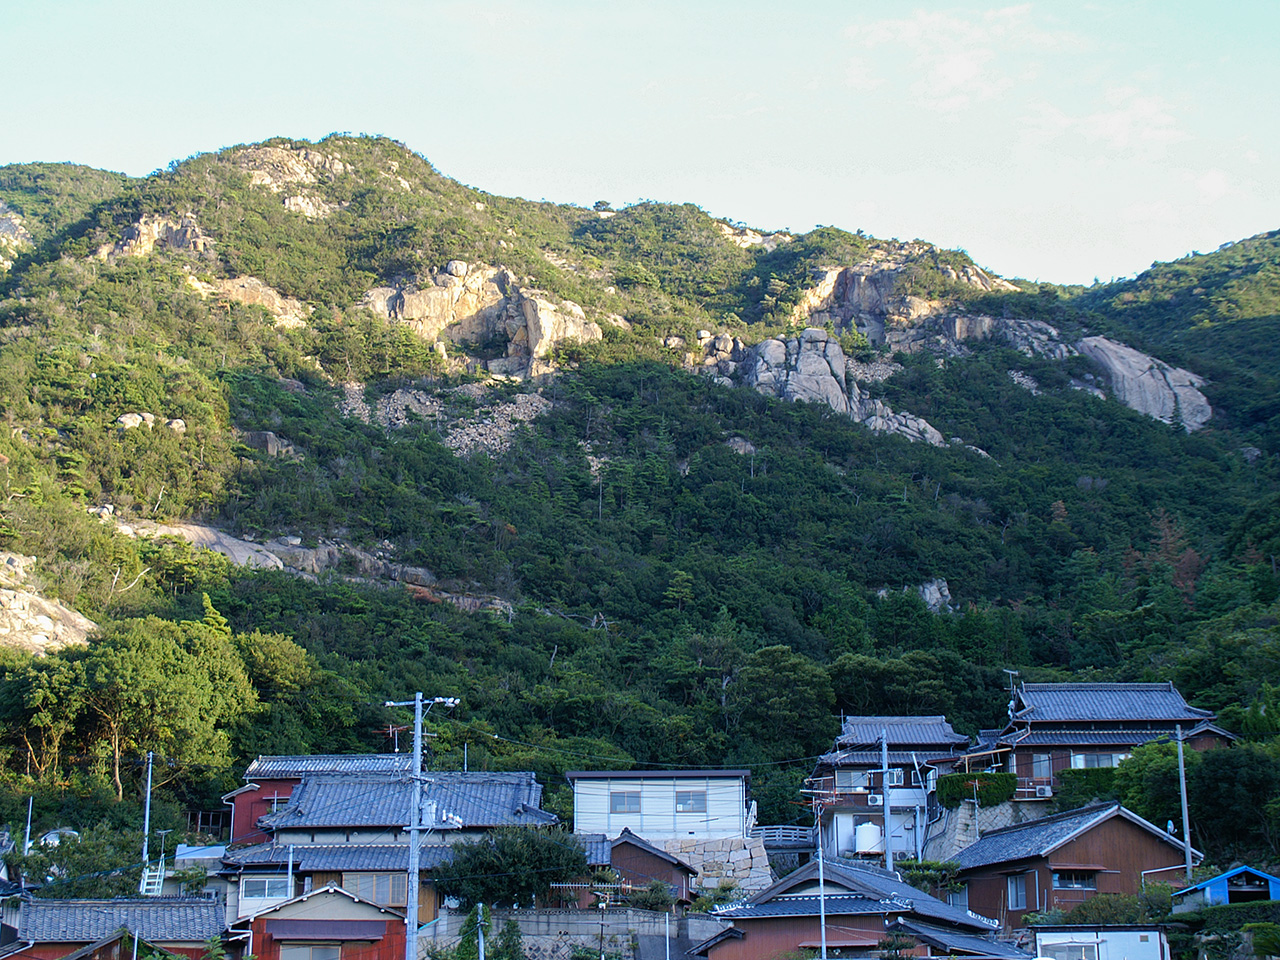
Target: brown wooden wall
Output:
{"points": [[765, 939], [1121, 848]]}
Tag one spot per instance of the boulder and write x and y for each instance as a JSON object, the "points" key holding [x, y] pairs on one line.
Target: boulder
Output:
{"points": [[1148, 385], [268, 443], [143, 237]]}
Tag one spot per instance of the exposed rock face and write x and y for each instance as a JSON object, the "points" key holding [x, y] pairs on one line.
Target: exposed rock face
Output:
{"points": [[281, 170], [1148, 385], [152, 231], [252, 291], [470, 304], [268, 443], [746, 238], [812, 367], [13, 235], [491, 430], [28, 621], [866, 297], [935, 593]]}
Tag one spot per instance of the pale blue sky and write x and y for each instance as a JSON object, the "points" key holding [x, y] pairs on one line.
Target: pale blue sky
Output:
{"points": [[1061, 141]]}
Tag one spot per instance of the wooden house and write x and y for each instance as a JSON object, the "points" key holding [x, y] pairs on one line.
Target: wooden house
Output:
{"points": [[863, 906], [52, 929], [1077, 726], [1058, 862]]}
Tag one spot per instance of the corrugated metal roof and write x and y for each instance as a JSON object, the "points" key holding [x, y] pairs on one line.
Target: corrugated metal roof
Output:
{"points": [[338, 856], [1038, 838], [658, 775], [1067, 702], [164, 920], [450, 800], [296, 767], [901, 732]]}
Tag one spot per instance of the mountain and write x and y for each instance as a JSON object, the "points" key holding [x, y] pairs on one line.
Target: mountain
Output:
{"points": [[638, 485]]}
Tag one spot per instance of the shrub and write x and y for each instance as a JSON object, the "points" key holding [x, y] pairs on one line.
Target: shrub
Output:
{"points": [[992, 788]]}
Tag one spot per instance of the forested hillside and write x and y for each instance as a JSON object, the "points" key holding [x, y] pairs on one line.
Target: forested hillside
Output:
{"points": [[659, 567]]}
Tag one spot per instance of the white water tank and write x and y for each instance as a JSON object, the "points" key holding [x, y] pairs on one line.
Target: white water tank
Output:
{"points": [[868, 838]]}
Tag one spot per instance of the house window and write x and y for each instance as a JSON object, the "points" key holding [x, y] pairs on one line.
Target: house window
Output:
{"points": [[691, 801], [1075, 880], [1018, 891], [1088, 761], [264, 888], [310, 951], [894, 777], [624, 801], [384, 889], [959, 898], [1041, 766], [853, 779], [1069, 951]]}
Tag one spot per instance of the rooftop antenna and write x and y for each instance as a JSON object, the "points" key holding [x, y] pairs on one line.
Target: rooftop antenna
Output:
{"points": [[1013, 696]]}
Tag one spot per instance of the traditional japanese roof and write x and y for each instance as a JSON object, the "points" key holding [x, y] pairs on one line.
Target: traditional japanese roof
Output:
{"points": [[866, 889], [1039, 838], [355, 857], [329, 890], [297, 767], [1087, 738], [957, 943], [626, 836], [158, 919], [451, 800], [911, 740], [599, 848], [1076, 702], [901, 732]]}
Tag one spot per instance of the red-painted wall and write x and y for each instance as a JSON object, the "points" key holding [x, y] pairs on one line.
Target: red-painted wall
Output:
{"points": [[54, 950], [390, 947], [247, 807]]}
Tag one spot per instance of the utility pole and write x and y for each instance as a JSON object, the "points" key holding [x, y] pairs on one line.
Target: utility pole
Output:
{"points": [[884, 789], [1186, 820], [146, 824], [415, 819], [822, 891]]}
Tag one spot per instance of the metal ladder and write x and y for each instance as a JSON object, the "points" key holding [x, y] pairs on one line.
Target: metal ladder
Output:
{"points": [[152, 880]]}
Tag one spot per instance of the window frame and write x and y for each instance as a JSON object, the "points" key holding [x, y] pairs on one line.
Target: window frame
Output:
{"points": [[695, 801], [1088, 879], [626, 806], [1016, 891], [267, 883]]}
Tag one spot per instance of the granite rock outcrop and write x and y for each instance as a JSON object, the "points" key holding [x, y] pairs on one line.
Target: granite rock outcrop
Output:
{"points": [[483, 307]]}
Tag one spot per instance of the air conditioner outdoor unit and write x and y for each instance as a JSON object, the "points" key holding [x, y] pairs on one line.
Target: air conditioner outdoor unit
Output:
{"points": [[1043, 793], [875, 800]]}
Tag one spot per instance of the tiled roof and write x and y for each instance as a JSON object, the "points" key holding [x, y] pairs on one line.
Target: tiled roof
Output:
{"points": [[338, 856], [160, 919], [1039, 838], [599, 848], [873, 758], [366, 764], [1088, 738], [1067, 702], [958, 943], [450, 800], [901, 732], [864, 883], [807, 906]]}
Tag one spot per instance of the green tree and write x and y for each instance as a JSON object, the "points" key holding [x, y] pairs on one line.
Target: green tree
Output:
{"points": [[512, 866]]}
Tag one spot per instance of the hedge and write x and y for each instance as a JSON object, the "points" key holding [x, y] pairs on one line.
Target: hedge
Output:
{"points": [[993, 788]]}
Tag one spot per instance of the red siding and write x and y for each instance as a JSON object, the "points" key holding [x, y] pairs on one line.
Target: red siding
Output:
{"points": [[247, 807], [390, 947], [777, 936]]}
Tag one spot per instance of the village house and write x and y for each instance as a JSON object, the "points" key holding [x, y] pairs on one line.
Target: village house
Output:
{"points": [[1058, 862], [701, 817], [327, 923], [857, 804], [863, 907], [1077, 726], [47, 929]]}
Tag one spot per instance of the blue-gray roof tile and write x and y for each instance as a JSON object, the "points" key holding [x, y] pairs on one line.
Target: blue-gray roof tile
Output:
{"points": [[359, 764], [355, 857], [159, 920], [1069, 702]]}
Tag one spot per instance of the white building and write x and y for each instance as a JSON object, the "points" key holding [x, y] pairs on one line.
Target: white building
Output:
{"points": [[662, 805], [1118, 942]]}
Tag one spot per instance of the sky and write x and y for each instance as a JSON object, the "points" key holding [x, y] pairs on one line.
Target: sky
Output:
{"points": [[1061, 141]]}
